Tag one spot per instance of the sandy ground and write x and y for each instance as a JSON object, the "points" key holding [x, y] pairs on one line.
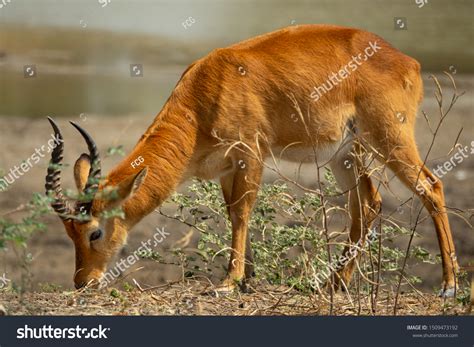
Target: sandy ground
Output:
{"points": [[52, 254]]}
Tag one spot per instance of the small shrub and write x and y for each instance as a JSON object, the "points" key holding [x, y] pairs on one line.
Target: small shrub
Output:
{"points": [[288, 241]]}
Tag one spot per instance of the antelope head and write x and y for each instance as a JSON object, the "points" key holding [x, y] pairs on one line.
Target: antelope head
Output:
{"points": [[96, 239]]}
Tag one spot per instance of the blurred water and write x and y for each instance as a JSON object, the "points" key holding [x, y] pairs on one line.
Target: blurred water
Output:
{"points": [[439, 34], [230, 20]]}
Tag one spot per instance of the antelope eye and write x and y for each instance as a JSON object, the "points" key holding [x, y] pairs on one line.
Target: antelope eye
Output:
{"points": [[96, 235]]}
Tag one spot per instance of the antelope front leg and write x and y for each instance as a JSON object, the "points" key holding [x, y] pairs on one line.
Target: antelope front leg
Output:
{"points": [[227, 182], [245, 185]]}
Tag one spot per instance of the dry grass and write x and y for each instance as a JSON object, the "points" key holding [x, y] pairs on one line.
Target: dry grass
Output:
{"points": [[198, 298]]}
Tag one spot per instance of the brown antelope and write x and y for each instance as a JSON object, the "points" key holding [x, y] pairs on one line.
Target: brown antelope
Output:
{"points": [[246, 94]]}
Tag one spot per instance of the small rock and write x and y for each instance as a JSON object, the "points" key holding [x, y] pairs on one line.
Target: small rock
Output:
{"points": [[3, 311]]}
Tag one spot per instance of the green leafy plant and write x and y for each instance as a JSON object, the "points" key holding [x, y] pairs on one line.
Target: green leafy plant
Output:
{"points": [[288, 240], [15, 234]]}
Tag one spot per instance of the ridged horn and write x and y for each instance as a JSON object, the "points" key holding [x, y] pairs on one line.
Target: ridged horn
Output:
{"points": [[53, 177], [95, 171]]}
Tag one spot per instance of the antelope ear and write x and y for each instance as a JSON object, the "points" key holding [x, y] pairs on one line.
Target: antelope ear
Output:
{"points": [[123, 190], [81, 171], [130, 185]]}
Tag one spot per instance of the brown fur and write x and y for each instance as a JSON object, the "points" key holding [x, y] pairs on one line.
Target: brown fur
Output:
{"points": [[252, 88]]}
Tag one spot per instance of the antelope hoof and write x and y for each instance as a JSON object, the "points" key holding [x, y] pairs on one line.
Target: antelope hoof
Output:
{"points": [[340, 282], [227, 286], [248, 285], [448, 292]]}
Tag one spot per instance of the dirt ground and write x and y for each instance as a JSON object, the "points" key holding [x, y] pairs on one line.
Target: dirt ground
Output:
{"points": [[198, 299], [52, 255]]}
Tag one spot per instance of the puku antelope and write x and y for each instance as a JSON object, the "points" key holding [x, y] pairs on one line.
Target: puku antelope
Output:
{"points": [[241, 93]]}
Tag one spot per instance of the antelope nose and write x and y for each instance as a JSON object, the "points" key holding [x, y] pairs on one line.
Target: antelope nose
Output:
{"points": [[79, 285]]}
